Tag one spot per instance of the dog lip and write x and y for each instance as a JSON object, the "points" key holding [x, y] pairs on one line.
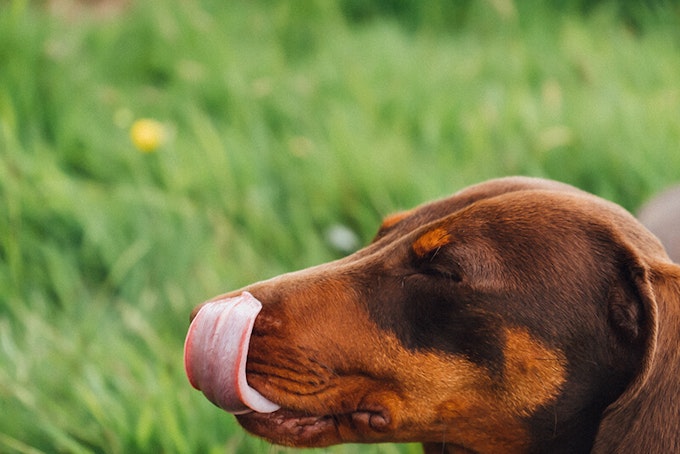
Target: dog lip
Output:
{"points": [[287, 419], [284, 424], [305, 427]]}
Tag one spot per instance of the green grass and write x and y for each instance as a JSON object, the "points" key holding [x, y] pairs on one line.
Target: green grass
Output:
{"points": [[286, 119]]}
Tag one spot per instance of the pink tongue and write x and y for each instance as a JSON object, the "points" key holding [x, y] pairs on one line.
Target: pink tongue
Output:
{"points": [[215, 353]]}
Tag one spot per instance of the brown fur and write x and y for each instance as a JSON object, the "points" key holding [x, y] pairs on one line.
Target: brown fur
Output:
{"points": [[519, 315]]}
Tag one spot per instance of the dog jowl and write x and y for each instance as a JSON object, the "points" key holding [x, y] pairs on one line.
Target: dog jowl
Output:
{"points": [[518, 315]]}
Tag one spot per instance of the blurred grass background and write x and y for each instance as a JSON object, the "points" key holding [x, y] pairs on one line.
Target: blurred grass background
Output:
{"points": [[283, 121]]}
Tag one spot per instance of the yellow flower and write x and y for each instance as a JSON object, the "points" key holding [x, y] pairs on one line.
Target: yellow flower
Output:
{"points": [[148, 134]]}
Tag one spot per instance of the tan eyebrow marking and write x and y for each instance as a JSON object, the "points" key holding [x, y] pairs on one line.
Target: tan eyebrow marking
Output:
{"points": [[394, 219], [429, 241]]}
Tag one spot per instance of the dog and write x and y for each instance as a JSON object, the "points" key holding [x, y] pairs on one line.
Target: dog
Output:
{"points": [[519, 315], [661, 215]]}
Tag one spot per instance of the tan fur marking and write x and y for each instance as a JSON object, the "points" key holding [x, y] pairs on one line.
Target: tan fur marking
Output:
{"points": [[481, 414], [394, 219], [428, 242], [484, 416], [534, 374]]}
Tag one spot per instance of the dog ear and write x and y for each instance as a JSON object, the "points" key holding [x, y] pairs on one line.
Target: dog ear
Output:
{"points": [[645, 417]]}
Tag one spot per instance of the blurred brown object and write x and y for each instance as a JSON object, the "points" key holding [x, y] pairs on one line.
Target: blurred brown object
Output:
{"points": [[661, 215]]}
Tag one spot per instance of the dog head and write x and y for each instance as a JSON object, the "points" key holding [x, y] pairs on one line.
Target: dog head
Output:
{"points": [[519, 315]]}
